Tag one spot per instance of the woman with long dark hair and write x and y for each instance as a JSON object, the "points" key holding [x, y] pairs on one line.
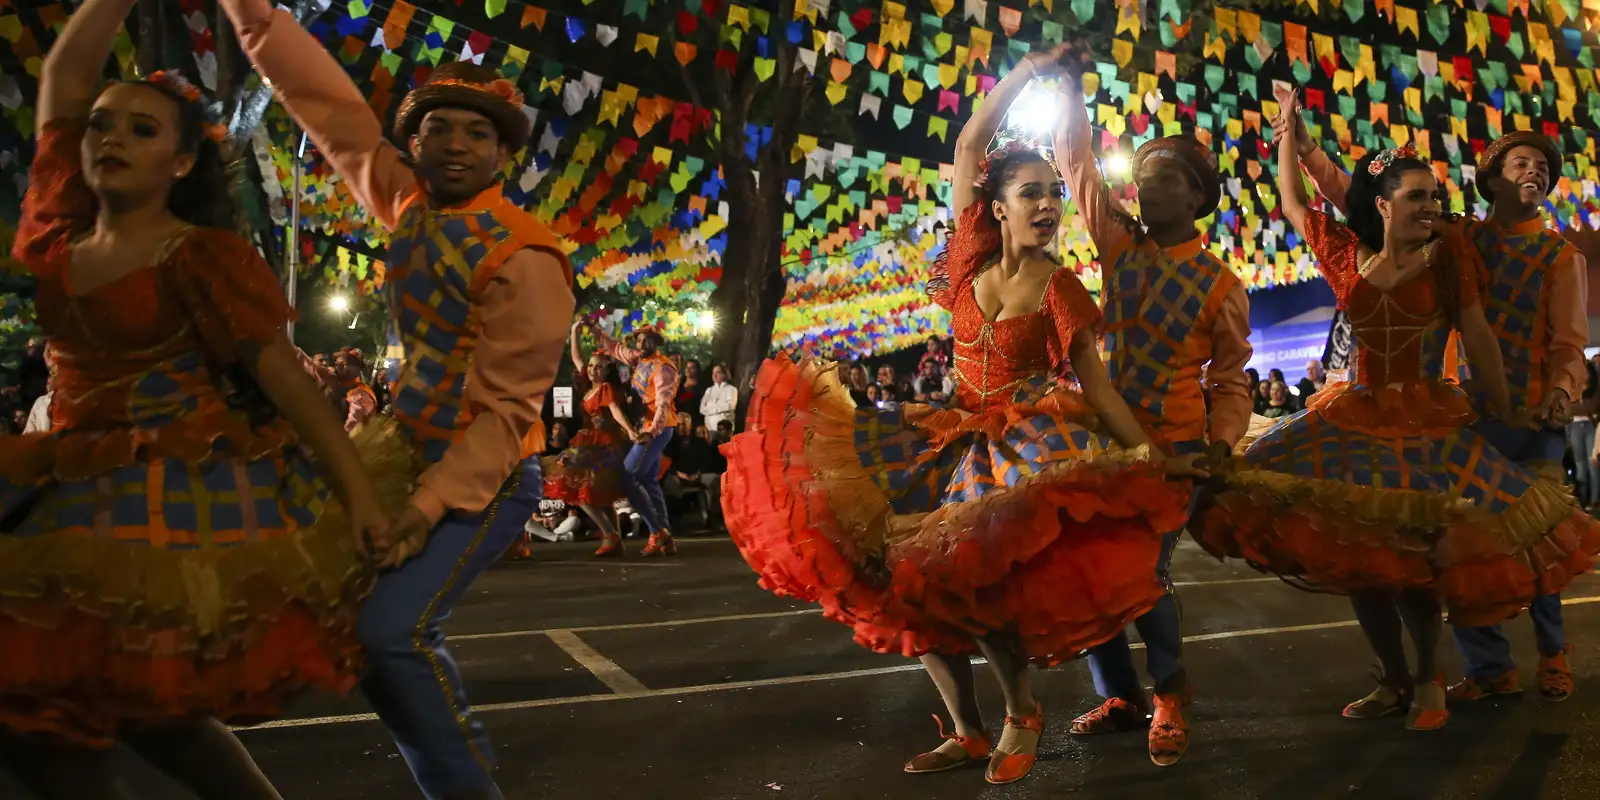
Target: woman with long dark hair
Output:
{"points": [[1003, 526], [588, 474], [167, 563], [1379, 489]]}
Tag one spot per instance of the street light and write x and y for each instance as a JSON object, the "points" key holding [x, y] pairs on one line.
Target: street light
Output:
{"points": [[1117, 165], [707, 322], [339, 304]]}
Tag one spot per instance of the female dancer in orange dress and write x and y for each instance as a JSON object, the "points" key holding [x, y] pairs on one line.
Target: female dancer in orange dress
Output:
{"points": [[588, 474], [1005, 525], [166, 557], [1378, 489]]}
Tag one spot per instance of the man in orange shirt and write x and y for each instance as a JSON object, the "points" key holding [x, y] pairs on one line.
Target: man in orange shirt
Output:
{"points": [[480, 297], [360, 402], [1172, 311]]}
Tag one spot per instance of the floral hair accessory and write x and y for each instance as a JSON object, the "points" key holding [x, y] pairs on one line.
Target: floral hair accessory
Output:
{"points": [[1015, 147], [210, 126], [1384, 159]]}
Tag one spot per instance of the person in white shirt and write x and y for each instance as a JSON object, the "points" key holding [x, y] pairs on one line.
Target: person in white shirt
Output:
{"points": [[720, 400], [39, 415]]}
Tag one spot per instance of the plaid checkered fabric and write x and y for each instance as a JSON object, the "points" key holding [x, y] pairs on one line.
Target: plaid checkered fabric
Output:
{"points": [[919, 479], [435, 317], [1514, 302], [166, 503], [1462, 465], [1152, 304]]}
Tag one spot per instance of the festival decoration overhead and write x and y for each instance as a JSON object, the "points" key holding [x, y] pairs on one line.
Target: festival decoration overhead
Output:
{"points": [[627, 175]]}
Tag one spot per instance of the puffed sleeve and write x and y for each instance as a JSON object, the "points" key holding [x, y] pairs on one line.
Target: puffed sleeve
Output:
{"points": [[606, 397], [58, 205], [230, 293], [1337, 250], [1071, 309]]}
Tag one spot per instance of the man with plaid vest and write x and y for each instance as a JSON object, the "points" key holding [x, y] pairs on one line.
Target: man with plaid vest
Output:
{"points": [[1172, 313], [1535, 287], [480, 297]]}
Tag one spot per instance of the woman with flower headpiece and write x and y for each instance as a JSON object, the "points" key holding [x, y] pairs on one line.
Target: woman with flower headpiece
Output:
{"points": [[1534, 282], [168, 554], [1006, 525], [1379, 489]]}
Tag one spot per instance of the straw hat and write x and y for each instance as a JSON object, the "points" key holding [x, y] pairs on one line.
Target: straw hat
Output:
{"points": [[466, 85]]}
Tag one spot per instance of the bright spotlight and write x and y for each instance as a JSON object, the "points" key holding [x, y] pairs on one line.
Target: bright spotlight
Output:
{"points": [[1117, 165], [707, 321], [339, 303], [1035, 110]]}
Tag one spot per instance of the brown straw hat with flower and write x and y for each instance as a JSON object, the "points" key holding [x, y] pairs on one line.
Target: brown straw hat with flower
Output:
{"points": [[466, 85], [1196, 158], [1490, 162]]}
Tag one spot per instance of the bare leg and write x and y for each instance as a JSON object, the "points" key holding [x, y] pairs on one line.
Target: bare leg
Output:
{"points": [[55, 772], [204, 756], [1424, 619], [602, 520], [1010, 667], [952, 676], [1380, 621]]}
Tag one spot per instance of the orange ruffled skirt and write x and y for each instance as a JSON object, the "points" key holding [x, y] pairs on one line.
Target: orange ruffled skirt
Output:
{"points": [[922, 529], [149, 592], [1386, 489]]}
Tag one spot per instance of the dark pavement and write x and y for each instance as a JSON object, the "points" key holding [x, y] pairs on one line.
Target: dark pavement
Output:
{"points": [[682, 679]]}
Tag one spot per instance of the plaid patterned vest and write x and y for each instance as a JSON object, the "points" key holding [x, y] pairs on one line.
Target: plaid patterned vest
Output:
{"points": [[1153, 303], [439, 263], [1515, 302]]}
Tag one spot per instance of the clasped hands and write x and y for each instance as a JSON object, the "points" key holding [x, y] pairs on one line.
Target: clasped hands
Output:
{"points": [[387, 543]]}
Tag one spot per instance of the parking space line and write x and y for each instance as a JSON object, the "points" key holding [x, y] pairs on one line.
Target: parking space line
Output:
{"points": [[799, 612], [710, 688], [629, 626], [613, 676]]}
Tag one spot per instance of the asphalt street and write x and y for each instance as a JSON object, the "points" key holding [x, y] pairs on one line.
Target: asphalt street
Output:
{"points": [[681, 678]]}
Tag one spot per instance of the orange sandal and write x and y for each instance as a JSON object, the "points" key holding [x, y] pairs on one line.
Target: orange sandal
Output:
{"points": [[1113, 716], [1428, 707], [1555, 678], [1007, 767], [1169, 731], [972, 748]]}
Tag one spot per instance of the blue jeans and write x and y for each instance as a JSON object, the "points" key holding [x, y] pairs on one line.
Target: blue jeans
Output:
{"points": [[641, 479], [413, 683], [1580, 439], [1161, 628], [1485, 652]]}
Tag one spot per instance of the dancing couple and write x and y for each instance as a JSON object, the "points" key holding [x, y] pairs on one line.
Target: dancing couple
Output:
{"points": [[1029, 522], [244, 572], [1458, 509]]}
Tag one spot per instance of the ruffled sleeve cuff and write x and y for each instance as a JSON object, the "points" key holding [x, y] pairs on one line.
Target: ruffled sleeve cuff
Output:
{"points": [[58, 205], [230, 293], [1071, 309], [1337, 250]]}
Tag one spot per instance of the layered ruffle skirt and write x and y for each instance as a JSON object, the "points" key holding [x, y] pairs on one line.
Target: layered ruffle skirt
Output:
{"points": [[1387, 489], [147, 579], [922, 529], [589, 471]]}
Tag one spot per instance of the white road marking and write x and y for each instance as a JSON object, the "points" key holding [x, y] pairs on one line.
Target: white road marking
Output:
{"points": [[710, 688], [673, 623], [629, 626], [614, 677]]}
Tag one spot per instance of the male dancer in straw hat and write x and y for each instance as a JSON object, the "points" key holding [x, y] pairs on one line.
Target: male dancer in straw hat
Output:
{"points": [[1172, 310], [1535, 282], [481, 299]]}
